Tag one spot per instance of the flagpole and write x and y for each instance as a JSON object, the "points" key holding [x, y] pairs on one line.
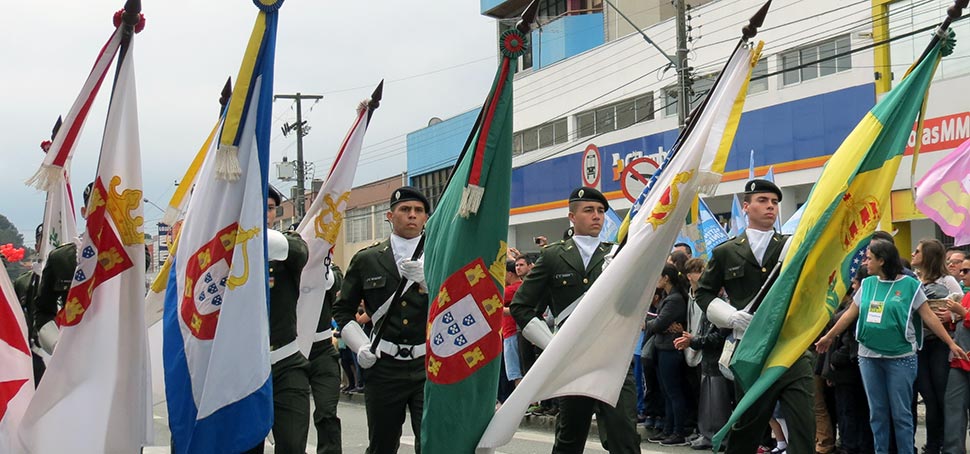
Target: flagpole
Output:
{"points": [[952, 13], [129, 19], [747, 32], [524, 25], [375, 100]]}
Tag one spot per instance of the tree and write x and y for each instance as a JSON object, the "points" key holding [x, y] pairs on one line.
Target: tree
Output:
{"points": [[9, 234]]}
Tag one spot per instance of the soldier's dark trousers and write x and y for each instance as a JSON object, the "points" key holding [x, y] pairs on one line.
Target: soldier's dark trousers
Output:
{"points": [[795, 390], [393, 388], [291, 406], [616, 426], [325, 387]]}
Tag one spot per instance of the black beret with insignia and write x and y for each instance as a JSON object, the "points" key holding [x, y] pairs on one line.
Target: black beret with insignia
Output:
{"points": [[758, 186], [273, 193], [584, 194], [407, 194]]}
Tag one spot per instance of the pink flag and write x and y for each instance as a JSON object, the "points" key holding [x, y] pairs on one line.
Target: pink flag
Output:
{"points": [[943, 194], [16, 370]]}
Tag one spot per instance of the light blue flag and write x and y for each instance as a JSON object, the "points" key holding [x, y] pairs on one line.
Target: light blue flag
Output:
{"points": [[751, 166], [739, 220], [770, 176], [792, 223], [611, 226]]}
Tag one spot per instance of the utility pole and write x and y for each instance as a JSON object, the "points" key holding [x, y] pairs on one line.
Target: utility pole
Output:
{"points": [[683, 71], [301, 131], [679, 61]]}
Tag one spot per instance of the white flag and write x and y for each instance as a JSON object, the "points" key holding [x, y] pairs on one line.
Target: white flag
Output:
{"points": [[60, 225], [16, 365], [95, 395], [575, 365], [320, 227]]}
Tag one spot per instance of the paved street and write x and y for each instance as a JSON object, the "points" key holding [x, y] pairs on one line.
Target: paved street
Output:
{"points": [[354, 431], [354, 422]]}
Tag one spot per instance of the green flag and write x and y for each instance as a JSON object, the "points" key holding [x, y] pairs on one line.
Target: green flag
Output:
{"points": [[841, 213], [465, 270]]}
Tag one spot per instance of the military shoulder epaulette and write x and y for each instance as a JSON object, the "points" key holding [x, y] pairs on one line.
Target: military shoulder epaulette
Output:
{"points": [[376, 243], [554, 244]]}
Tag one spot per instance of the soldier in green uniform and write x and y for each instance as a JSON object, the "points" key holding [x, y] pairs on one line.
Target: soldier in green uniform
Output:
{"points": [[395, 375], [325, 374], [26, 286], [562, 275], [287, 254], [55, 282], [741, 266]]}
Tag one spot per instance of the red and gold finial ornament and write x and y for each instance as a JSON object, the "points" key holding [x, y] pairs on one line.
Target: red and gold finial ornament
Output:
{"points": [[116, 20], [46, 145], [513, 43], [268, 6]]}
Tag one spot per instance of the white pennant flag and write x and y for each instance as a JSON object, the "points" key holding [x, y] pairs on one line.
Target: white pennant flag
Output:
{"points": [[575, 365], [95, 395], [321, 225]]}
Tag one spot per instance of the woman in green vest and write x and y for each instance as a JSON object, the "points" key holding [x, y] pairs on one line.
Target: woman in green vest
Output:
{"points": [[888, 339]]}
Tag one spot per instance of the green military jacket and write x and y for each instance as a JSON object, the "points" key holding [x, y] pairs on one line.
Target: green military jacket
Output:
{"points": [[373, 278], [557, 279], [25, 286], [284, 291], [55, 282], [734, 268]]}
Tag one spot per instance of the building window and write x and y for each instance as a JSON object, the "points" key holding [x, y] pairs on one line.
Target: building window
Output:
{"points": [[552, 8], [432, 184], [803, 64], [358, 224], [615, 116], [759, 83], [540, 137], [382, 227]]}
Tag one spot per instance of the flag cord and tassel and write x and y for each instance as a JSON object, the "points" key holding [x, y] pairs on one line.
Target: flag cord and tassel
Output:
{"points": [[227, 163]]}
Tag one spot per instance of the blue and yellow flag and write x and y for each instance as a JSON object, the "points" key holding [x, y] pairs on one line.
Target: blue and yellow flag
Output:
{"points": [[842, 212]]}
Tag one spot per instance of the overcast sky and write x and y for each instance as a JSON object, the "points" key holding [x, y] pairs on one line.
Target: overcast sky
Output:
{"points": [[438, 59]]}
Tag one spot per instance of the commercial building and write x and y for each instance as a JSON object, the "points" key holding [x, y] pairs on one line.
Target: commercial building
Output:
{"points": [[594, 102]]}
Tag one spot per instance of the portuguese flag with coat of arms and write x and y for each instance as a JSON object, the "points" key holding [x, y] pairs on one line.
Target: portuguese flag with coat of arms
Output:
{"points": [[465, 271]]}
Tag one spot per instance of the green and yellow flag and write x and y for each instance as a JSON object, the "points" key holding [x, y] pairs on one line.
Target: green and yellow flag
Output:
{"points": [[842, 212], [465, 270]]}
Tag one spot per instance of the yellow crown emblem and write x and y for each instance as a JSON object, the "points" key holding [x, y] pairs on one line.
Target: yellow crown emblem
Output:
{"points": [[119, 206], [329, 230]]}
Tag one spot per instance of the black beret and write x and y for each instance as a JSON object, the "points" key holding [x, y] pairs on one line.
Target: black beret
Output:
{"points": [[274, 194], [409, 193], [584, 194], [757, 186], [568, 234], [87, 192]]}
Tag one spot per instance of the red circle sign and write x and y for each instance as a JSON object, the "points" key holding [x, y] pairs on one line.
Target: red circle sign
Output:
{"points": [[635, 177], [592, 170]]}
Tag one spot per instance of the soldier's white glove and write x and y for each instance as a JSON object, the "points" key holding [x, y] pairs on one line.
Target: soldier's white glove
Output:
{"points": [[353, 335], [328, 278], [47, 336], [606, 262], [365, 358], [537, 332], [277, 248], [413, 270], [724, 315], [608, 258]]}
